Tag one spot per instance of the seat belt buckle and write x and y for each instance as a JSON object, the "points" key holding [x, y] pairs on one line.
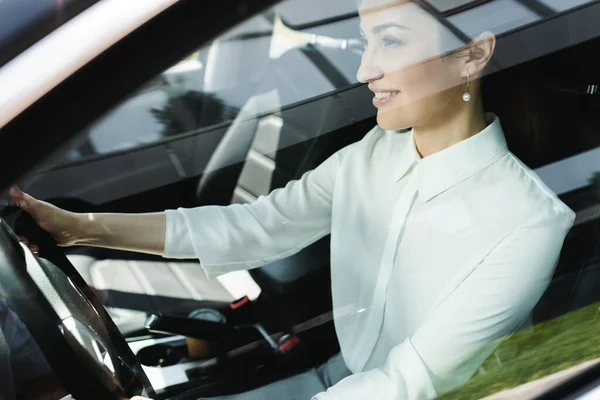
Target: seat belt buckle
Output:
{"points": [[234, 305], [287, 343]]}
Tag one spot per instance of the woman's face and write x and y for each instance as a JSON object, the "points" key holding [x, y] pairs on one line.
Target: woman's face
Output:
{"points": [[403, 67]]}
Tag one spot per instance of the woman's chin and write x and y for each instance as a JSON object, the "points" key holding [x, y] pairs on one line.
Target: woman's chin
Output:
{"points": [[390, 121]]}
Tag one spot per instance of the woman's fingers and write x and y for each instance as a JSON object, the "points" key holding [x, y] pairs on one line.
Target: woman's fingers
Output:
{"points": [[35, 249], [34, 207], [17, 195], [21, 199], [15, 192], [62, 225]]}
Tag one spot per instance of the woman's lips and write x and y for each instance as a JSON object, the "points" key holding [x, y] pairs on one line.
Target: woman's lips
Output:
{"points": [[384, 97]]}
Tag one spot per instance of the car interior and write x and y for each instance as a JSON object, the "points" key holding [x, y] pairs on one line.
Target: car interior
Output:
{"points": [[256, 336]]}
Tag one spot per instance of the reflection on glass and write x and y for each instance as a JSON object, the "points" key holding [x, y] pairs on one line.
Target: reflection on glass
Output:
{"points": [[302, 13], [186, 110], [563, 5], [285, 38], [497, 16], [449, 5]]}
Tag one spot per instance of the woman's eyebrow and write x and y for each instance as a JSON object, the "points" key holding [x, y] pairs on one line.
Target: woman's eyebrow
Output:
{"points": [[380, 28]]}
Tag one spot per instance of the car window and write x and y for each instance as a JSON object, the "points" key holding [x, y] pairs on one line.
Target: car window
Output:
{"points": [[484, 281], [201, 92], [26, 22], [251, 74]]}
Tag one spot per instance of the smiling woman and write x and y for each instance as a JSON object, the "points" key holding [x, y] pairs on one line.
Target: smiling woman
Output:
{"points": [[419, 71]]}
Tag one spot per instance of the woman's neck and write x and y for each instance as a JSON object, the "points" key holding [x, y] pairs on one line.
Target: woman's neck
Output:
{"points": [[448, 128]]}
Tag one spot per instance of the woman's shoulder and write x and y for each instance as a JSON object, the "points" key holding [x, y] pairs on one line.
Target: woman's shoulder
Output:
{"points": [[525, 189]]}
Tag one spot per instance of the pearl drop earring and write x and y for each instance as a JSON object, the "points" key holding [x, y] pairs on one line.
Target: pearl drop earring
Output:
{"points": [[467, 95]]}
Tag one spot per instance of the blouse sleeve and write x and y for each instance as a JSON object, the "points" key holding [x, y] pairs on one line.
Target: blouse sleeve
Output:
{"points": [[244, 236]]}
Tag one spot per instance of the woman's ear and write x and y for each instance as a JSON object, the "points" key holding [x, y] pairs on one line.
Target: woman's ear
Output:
{"points": [[480, 52]]}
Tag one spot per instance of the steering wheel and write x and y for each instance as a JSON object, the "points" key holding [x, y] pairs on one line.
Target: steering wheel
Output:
{"points": [[80, 341]]}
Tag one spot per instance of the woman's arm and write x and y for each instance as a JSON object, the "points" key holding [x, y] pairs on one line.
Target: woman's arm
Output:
{"points": [[230, 238], [135, 232], [144, 233], [244, 236]]}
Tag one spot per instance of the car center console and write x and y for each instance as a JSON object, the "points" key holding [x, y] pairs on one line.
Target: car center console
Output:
{"points": [[226, 354]]}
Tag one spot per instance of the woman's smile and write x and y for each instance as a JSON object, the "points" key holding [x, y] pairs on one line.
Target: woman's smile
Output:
{"points": [[383, 96]]}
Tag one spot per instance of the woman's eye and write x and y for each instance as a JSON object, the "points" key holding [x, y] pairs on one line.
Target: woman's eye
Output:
{"points": [[390, 41]]}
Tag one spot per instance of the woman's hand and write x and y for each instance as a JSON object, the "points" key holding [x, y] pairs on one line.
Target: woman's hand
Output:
{"points": [[144, 233], [62, 225]]}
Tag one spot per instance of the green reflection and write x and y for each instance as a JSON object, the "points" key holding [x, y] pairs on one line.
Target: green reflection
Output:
{"points": [[550, 347]]}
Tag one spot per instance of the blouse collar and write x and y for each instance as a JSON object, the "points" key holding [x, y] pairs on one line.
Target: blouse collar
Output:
{"points": [[445, 169]]}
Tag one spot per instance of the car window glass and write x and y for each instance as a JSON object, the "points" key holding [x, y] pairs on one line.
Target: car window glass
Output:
{"points": [[563, 5], [199, 92], [285, 101], [497, 16], [208, 88], [445, 5]]}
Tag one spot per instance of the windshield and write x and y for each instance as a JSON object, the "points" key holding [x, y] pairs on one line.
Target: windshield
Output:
{"points": [[387, 199]]}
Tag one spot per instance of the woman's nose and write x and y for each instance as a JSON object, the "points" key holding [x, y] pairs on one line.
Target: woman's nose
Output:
{"points": [[368, 70]]}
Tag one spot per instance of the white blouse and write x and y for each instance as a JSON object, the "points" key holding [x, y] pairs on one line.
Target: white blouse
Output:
{"points": [[432, 259]]}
